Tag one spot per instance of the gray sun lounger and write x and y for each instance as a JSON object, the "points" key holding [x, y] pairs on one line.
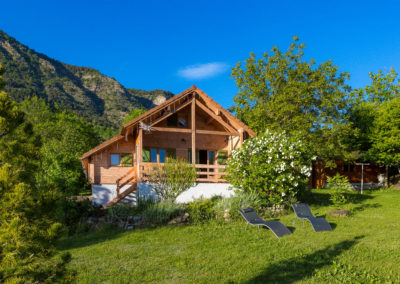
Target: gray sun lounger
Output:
{"points": [[252, 218], [303, 211]]}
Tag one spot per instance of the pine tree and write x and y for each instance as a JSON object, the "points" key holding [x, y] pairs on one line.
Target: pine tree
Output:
{"points": [[27, 234]]}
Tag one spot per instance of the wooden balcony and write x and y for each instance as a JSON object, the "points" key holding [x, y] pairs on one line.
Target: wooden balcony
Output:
{"points": [[205, 173], [210, 173]]}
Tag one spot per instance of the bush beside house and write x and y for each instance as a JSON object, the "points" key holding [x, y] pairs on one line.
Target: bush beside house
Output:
{"points": [[273, 166]]}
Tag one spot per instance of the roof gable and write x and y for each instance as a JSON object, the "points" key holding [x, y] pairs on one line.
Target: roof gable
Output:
{"points": [[171, 106], [207, 101]]}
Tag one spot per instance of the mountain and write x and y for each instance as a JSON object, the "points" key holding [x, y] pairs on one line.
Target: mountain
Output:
{"points": [[83, 90]]}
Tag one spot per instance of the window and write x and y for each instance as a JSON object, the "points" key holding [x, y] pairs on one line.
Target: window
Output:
{"points": [[114, 160], [182, 120], [348, 168], [172, 120], [123, 159], [211, 158], [153, 155]]}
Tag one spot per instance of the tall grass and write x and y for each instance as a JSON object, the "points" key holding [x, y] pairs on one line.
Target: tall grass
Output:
{"points": [[240, 201], [162, 212]]}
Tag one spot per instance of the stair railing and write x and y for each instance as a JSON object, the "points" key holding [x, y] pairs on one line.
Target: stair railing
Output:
{"points": [[121, 185]]}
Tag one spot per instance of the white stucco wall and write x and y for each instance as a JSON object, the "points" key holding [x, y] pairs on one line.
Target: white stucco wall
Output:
{"points": [[205, 190], [103, 193]]}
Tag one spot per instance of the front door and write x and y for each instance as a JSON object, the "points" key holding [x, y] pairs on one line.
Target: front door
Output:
{"points": [[203, 161]]}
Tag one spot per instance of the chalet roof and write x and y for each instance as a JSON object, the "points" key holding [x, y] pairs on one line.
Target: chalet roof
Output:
{"points": [[102, 146], [236, 123]]}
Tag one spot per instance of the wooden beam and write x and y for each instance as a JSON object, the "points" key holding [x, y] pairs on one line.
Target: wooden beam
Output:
{"points": [[172, 129], [197, 131], [193, 113], [233, 120], [126, 134], [171, 112], [139, 143], [217, 118], [215, 180], [209, 120], [212, 132], [241, 132]]}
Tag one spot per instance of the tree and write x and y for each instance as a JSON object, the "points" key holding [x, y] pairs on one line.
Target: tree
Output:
{"points": [[134, 113], [273, 166], [65, 137], [282, 91], [385, 137], [172, 178], [27, 233], [383, 87], [374, 119]]}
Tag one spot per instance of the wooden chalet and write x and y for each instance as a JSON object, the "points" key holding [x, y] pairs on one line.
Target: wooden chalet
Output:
{"points": [[190, 125]]}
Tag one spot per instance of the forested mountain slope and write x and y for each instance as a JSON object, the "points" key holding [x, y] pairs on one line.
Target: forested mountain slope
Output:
{"points": [[85, 91]]}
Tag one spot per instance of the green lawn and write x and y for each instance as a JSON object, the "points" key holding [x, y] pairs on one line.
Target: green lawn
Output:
{"points": [[362, 248]]}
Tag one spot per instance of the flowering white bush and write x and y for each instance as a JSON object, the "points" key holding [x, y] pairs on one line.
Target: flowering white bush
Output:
{"points": [[271, 165]]}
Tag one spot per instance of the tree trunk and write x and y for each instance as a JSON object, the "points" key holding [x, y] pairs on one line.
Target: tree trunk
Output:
{"points": [[387, 177]]}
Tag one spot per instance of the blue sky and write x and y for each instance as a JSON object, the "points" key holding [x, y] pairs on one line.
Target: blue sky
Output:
{"points": [[172, 45]]}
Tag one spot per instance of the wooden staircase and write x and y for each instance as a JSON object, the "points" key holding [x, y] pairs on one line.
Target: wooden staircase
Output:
{"points": [[129, 178]]}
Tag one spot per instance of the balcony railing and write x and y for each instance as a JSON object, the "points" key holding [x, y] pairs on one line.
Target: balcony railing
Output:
{"points": [[205, 173], [210, 173]]}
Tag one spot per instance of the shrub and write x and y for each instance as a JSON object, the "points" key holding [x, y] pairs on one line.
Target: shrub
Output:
{"points": [[72, 212], [341, 187], [143, 203], [202, 210], [162, 212], [123, 210], [172, 178], [240, 201], [272, 166]]}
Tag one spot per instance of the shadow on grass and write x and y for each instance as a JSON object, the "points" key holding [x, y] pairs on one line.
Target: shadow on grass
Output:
{"points": [[88, 239], [291, 228], [323, 198], [363, 207], [298, 268]]}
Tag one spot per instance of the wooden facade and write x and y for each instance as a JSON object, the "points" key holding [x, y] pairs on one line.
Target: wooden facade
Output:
{"points": [[190, 126], [350, 170]]}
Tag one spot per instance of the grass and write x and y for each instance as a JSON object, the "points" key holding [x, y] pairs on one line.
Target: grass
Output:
{"points": [[362, 248]]}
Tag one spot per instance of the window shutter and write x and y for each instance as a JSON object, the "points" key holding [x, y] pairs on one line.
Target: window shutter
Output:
{"points": [[190, 156], [222, 157], [146, 155], [171, 153], [126, 160]]}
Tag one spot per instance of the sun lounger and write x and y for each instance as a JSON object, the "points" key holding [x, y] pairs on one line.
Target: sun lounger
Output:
{"points": [[252, 218], [303, 212]]}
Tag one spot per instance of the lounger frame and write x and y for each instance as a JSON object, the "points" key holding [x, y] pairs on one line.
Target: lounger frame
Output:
{"points": [[253, 219], [303, 212]]}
